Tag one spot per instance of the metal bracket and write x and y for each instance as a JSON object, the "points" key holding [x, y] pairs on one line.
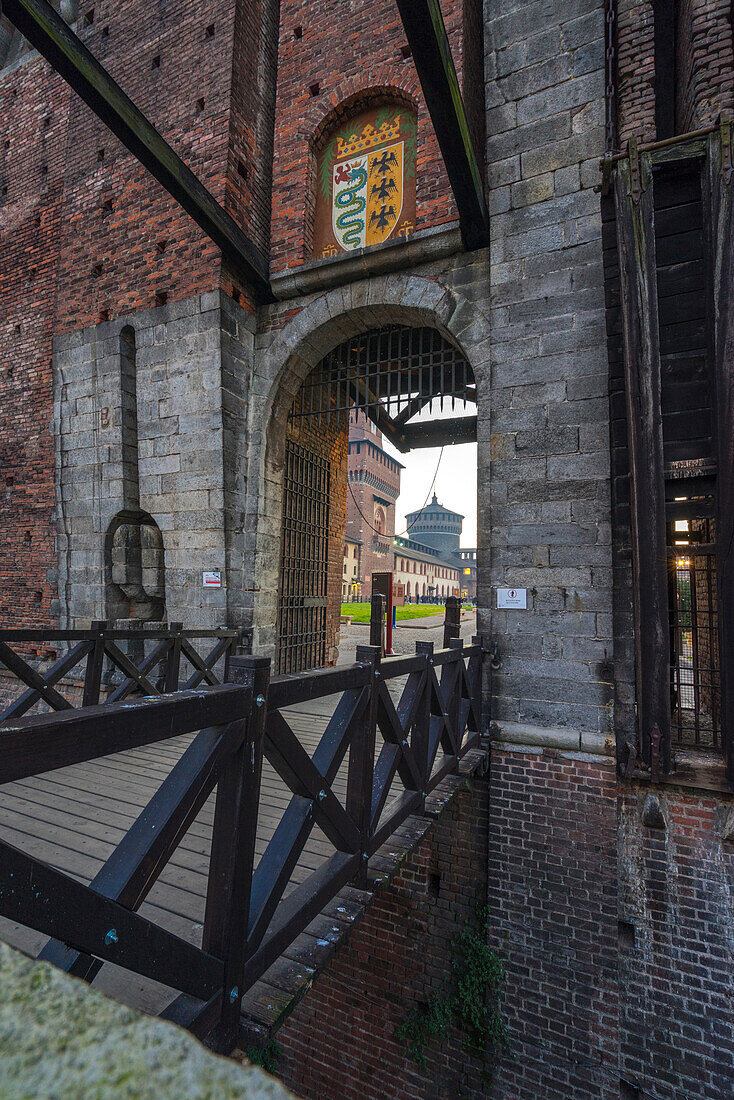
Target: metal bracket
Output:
{"points": [[607, 167], [726, 158], [629, 767], [636, 185], [655, 739]]}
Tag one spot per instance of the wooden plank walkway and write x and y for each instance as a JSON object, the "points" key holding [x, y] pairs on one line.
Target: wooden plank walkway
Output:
{"points": [[73, 818]]}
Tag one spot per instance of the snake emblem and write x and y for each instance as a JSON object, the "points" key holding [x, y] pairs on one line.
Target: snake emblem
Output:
{"points": [[352, 205]]}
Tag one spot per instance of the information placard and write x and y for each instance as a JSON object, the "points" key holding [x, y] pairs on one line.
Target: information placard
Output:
{"points": [[516, 598]]}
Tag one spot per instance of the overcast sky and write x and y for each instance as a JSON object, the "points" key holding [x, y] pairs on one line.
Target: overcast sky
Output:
{"points": [[456, 484]]}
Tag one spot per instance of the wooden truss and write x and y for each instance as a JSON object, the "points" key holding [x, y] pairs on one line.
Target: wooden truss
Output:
{"points": [[158, 673]]}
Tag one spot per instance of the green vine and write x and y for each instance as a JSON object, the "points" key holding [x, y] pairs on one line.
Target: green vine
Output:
{"points": [[471, 1004], [266, 1057]]}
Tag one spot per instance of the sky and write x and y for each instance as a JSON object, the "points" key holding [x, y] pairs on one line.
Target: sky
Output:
{"points": [[456, 480]]}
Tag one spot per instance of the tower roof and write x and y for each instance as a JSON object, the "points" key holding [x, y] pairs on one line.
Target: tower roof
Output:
{"points": [[435, 506]]}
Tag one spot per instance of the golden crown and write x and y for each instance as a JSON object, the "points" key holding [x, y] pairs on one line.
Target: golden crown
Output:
{"points": [[370, 137]]}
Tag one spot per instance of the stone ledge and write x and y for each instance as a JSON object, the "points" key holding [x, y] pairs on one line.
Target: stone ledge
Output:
{"points": [[519, 737], [60, 1038], [421, 247], [271, 1000]]}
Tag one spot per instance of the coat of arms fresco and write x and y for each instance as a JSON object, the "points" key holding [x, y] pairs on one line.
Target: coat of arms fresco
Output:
{"points": [[366, 182]]}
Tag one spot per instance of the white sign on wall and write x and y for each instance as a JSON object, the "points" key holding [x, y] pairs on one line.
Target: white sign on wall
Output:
{"points": [[516, 598], [212, 579]]}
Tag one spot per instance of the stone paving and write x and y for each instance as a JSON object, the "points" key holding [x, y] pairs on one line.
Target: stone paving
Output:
{"points": [[405, 636]]}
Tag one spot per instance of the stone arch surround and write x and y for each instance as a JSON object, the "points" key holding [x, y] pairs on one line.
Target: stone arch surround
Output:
{"points": [[280, 371]]}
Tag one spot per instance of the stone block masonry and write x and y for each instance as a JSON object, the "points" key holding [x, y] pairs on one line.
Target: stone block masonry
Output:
{"points": [[544, 466], [192, 364]]}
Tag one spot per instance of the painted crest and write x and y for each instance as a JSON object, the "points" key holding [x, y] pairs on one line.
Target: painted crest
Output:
{"points": [[367, 192], [366, 186]]}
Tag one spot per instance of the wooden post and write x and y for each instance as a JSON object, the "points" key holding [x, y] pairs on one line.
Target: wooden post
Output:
{"points": [[233, 850], [95, 661], [452, 620], [453, 703], [638, 280], [422, 727], [362, 757], [173, 661], [377, 623], [721, 237], [477, 666]]}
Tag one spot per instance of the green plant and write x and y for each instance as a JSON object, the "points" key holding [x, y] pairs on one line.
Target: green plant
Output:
{"points": [[425, 1021], [266, 1057], [471, 1004]]}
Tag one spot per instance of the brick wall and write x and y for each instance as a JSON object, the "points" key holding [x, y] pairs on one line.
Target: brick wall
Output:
{"points": [[87, 234], [676, 964], [340, 1040], [353, 54], [704, 84], [635, 70], [553, 911], [371, 474], [34, 104]]}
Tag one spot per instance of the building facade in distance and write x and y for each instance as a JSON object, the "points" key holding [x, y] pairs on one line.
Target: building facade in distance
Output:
{"points": [[426, 567]]}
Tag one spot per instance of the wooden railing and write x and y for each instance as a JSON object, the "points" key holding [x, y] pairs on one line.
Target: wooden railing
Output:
{"points": [[249, 919], [159, 672]]}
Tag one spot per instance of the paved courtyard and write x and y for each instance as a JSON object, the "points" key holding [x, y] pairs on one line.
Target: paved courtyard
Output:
{"points": [[405, 635]]}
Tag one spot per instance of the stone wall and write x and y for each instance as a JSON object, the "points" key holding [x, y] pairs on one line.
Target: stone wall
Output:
{"points": [[87, 235], [192, 360], [60, 1038], [544, 488]]}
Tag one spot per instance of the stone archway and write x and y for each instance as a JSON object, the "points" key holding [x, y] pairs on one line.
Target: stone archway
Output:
{"points": [[282, 369]]}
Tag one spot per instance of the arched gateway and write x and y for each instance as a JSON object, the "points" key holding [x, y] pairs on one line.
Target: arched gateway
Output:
{"points": [[391, 360]]}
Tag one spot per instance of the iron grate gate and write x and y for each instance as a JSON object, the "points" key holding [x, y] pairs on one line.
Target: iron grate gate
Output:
{"points": [[304, 561], [695, 672]]}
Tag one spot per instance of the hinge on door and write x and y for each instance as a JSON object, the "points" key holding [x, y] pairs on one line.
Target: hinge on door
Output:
{"points": [[655, 739], [631, 749], [636, 187], [726, 159]]}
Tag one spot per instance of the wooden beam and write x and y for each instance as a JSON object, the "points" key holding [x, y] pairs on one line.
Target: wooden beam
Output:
{"points": [[441, 433], [636, 243], [426, 34], [43, 743], [720, 203], [48, 33]]}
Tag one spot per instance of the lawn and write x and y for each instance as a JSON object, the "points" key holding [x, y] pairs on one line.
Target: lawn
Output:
{"points": [[360, 612]]}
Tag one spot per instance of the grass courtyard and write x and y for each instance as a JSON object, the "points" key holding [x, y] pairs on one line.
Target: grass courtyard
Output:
{"points": [[360, 612]]}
